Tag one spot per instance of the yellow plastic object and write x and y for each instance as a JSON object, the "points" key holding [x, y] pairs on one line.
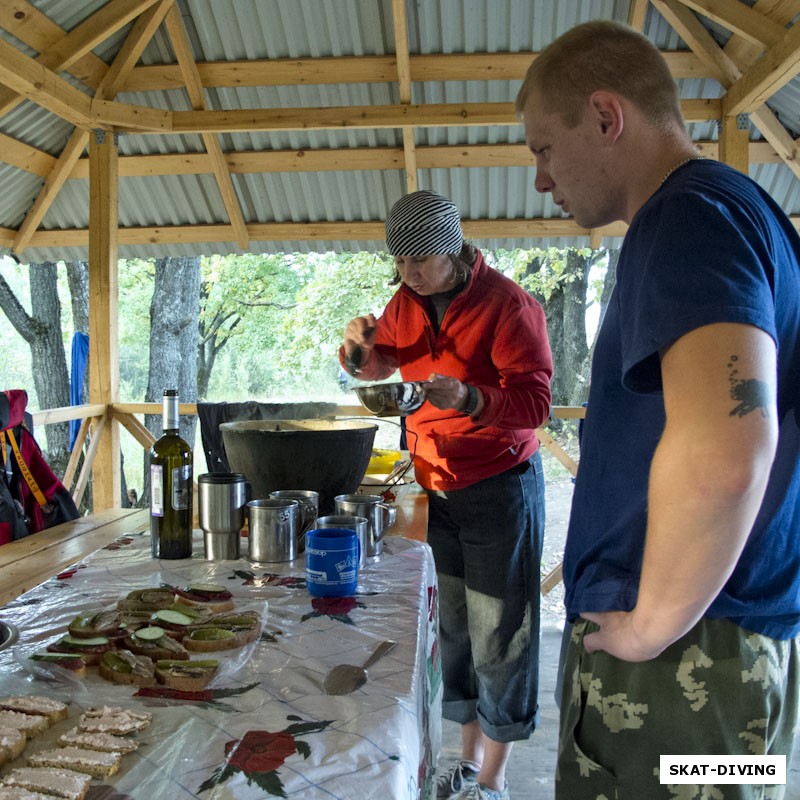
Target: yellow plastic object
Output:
{"points": [[383, 461]]}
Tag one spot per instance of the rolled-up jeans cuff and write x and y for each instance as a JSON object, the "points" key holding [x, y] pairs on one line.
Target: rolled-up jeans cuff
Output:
{"points": [[460, 711], [515, 732]]}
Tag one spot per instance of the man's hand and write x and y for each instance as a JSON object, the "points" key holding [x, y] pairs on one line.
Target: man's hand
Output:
{"points": [[618, 637]]}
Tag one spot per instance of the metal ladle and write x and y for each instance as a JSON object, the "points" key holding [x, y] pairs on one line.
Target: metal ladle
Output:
{"points": [[346, 678]]}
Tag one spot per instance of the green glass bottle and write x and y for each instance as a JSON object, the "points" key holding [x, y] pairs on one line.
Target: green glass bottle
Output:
{"points": [[171, 488]]}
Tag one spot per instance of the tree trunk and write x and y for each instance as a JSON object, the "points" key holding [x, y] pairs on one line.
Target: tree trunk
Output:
{"points": [[174, 309]]}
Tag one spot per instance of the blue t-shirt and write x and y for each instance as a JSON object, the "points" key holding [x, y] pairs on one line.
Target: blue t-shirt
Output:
{"points": [[709, 246]]}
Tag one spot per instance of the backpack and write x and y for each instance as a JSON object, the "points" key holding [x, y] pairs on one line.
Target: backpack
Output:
{"points": [[32, 497]]}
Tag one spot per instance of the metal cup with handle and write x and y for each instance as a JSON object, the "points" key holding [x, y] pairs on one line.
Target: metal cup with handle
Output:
{"points": [[309, 508], [273, 534], [351, 523], [380, 517]]}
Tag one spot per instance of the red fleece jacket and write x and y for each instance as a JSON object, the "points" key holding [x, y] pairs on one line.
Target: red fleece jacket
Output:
{"points": [[493, 336]]}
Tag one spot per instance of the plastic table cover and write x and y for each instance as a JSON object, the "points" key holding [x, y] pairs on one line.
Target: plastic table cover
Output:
{"points": [[264, 727]]}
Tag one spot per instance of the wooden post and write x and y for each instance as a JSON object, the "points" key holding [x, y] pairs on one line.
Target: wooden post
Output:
{"points": [[103, 313], [734, 142]]}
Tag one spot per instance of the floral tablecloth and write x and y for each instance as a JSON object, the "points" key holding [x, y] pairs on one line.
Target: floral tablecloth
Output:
{"points": [[264, 727]]}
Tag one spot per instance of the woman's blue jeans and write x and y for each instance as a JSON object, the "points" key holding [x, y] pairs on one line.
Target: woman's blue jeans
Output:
{"points": [[487, 544]]}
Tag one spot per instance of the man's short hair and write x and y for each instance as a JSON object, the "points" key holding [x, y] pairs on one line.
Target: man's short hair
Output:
{"points": [[602, 55]]}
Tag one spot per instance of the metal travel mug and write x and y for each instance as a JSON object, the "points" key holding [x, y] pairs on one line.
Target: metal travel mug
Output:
{"points": [[221, 502], [350, 523], [380, 517], [309, 508], [274, 526]]}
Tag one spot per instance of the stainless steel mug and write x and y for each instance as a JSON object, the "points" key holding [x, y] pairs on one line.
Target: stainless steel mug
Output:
{"points": [[274, 526], [350, 523], [309, 508], [380, 516], [221, 501]]}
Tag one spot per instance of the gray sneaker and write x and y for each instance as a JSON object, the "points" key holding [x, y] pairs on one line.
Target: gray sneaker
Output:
{"points": [[461, 774], [477, 791]]}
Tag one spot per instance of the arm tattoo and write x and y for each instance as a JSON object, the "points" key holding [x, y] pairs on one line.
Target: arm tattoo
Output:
{"points": [[751, 395]]}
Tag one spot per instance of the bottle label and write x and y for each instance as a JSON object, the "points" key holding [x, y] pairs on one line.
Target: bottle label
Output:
{"points": [[156, 490], [181, 482]]}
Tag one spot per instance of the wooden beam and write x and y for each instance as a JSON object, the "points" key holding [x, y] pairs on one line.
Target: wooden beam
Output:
{"points": [[734, 141], [364, 69], [359, 158], [129, 53], [194, 87], [771, 72], [703, 44], [24, 157], [404, 84], [26, 23], [104, 312], [637, 13], [739, 18]]}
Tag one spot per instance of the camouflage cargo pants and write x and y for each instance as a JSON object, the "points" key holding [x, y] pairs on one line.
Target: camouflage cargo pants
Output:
{"points": [[720, 690]]}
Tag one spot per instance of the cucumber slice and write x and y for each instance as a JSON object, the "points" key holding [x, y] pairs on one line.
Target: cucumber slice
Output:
{"points": [[116, 664], [208, 588], [210, 663], [94, 641], [172, 617], [150, 634], [55, 656], [211, 634]]}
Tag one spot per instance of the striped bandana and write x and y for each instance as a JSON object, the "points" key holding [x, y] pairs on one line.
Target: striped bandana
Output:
{"points": [[423, 223]]}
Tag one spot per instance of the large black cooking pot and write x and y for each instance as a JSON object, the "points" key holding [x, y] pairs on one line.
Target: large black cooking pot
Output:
{"points": [[326, 456]]}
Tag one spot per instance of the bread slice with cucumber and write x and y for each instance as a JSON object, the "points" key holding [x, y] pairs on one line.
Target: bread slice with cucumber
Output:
{"points": [[186, 675], [129, 669], [153, 641]]}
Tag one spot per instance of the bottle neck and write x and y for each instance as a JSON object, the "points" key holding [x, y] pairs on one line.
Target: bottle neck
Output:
{"points": [[170, 415]]}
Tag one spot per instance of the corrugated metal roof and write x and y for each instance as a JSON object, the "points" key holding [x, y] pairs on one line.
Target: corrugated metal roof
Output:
{"points": [[226, 30]]}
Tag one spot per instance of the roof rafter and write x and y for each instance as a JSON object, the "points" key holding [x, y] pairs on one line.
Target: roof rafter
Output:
{"points": [[740, 19], [129, 53], [194, 87]]}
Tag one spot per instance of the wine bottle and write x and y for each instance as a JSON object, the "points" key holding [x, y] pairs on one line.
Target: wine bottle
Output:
{"points": [[171, 488]]}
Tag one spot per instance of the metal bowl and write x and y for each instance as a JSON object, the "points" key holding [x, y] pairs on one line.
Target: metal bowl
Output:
{"points": [[392, 399], [8, 634]]}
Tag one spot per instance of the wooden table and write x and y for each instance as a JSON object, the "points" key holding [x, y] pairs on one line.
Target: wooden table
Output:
{"points": [[380, 742], [29, 561]]}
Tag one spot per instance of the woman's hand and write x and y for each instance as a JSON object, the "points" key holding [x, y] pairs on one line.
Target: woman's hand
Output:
{"points": [[444, 392], [359, 338]]}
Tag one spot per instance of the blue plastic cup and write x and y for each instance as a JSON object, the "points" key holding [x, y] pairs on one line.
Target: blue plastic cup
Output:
{"points": [[332, 556]]}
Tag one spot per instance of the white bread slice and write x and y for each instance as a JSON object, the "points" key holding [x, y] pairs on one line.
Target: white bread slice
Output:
{"points": [[54, 710], [12, 743], [18, 793], [113, 719], [31, 724], [64, 783], [103, 742], [90, 762]]}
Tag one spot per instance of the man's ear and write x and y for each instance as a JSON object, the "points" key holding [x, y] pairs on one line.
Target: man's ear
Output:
{"points": [[608, 114]]}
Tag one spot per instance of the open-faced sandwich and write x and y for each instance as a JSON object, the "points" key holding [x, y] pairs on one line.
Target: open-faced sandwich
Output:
{"points": [[54, 710], [104, 742], [224, 632], [207, 595], [122, 666], [50, 781], [186, 675], [98, 623], [153, 641], [146, 599], [113, 719], [74, 662], [12, 743], [29, 724], [91, 649], [90, 762]]}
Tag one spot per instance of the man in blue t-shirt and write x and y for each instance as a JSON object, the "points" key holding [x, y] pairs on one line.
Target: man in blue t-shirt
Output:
{"points": [[682, 562]]}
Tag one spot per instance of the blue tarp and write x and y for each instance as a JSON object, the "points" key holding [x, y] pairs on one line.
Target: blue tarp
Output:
{"points": [[80, 354]]}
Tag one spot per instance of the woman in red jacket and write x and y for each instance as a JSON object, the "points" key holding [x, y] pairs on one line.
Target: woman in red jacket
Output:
{"points": [[481, 342]]}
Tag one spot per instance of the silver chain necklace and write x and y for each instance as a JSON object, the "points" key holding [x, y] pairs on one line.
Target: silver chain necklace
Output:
{"points": [[679, 165]]}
